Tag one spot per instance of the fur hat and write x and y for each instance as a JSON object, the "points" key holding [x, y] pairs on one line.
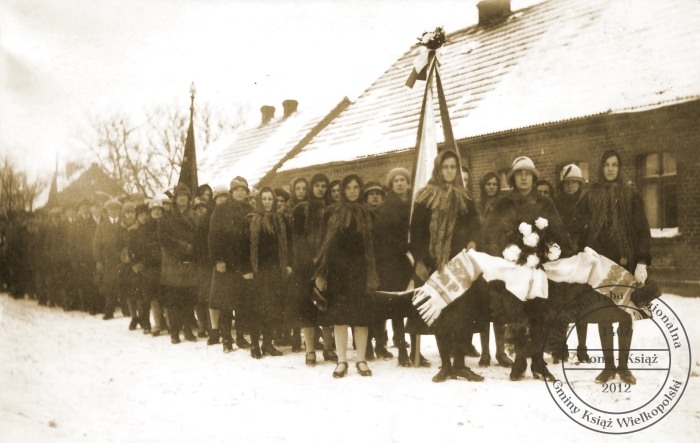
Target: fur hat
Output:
{"points": [[572, 173], [520, 164], [129, 206], [279, 192], [373, 186], [155, 203], [142, 208], [199, 202], [239, 182], [220, 190], [113, 203], [182, 189], [397, 171]]}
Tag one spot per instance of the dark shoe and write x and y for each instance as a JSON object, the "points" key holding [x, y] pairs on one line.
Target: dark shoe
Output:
{"points": [[328, 355], [284, 341], [424, 362], [369, 353], [189, 336], [540, 371], [214, 338], [311, 358], [485, 360], [133, 324], [255, 353], [271, 350], [146, 331], [403, 344], [443, 374], [202, 333], [155, 332], [626, 376], [363, 372], [504, 360], [383, 352], [296, 348], [605, 376], [582, 354], [338, 372], [472, 352], [174, 339], [404, 361], [517, 372], [228, 347], [242, 343], [467, 374], [107, 316]]}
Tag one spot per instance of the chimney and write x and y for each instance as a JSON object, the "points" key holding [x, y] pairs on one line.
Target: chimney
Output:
{"points": [[268, 113], [290, 107], [492, 12]]}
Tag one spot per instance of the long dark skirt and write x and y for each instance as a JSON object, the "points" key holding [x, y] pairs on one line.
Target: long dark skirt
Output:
{"points": [[268, 286], [179, 297], [300, 311]]}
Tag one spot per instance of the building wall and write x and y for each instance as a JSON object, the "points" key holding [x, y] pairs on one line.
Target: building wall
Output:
{"points": [[673, 129]]}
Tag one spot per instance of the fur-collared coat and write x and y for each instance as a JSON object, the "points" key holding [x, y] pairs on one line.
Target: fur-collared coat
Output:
{"points": [[229, 242], [176, 235], [390, 231]]}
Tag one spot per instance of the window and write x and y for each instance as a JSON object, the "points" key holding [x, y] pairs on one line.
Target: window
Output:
{"points": [[657, 176]]}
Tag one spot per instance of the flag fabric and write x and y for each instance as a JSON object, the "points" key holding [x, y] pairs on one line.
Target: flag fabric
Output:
{"points": [[53, 191], [188, 168]]}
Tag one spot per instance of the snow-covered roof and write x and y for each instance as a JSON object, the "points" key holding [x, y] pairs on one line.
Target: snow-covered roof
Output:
{"points": [[251, 153], [555, 61]]}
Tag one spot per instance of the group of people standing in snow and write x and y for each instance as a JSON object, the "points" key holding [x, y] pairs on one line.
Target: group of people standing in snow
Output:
{"points": [[308, 262]]}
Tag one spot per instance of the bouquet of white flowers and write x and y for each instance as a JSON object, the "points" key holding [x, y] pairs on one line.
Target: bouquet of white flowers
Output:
{"points": [[530, 245]]}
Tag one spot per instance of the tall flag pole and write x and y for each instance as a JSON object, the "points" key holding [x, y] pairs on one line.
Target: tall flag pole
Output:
{"points": [[426, 67], [188, 168]]}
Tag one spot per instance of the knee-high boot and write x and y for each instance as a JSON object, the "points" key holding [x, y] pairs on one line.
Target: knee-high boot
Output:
{"points": [[485, 338], [445, 347], [174, 318], [499, 334]]}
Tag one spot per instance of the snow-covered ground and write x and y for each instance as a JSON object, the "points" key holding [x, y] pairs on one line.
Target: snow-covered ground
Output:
{"points": [[70, 377]]}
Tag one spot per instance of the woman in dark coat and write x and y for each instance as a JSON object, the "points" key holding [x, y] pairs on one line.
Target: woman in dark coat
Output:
{"points": [[202, 264], [347, 269], [307, 228], [269, 252], [298, 193], [390, 231], [610, 219], [176, 234], [490, 191], [524, 204], [145, 256], [445, 221], [229, 251]]}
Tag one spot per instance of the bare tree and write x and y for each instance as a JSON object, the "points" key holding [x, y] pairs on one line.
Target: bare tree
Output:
{"points": [[17, 192], [146, 158]]}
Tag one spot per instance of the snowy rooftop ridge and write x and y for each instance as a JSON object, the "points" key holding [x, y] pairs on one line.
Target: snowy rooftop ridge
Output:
{"points": [[555, 61]]}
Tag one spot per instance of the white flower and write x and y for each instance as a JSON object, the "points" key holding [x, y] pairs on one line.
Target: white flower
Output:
{"points": [[525, 228], [554, 252], [511, 253], [533, 260], [541, 223], [427, 37], [531, 239]]}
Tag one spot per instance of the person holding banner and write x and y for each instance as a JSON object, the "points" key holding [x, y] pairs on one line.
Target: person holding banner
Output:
{"points": [[611, 220], [445, 221], [524, 204], [346, 271]]}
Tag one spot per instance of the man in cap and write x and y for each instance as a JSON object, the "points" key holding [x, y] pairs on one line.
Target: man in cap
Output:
{"points": [[83, 233]]}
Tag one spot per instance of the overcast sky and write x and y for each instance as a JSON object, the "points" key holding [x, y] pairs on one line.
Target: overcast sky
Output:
{"points": [[64, 60]]}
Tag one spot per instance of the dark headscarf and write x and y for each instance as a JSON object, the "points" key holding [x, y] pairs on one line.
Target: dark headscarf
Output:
{"points": [[344, 212], [271, 223], [292, 195], [446, 202]]}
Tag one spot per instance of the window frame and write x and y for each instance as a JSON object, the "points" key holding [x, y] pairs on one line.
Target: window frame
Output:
{"points": [[661, 180]]}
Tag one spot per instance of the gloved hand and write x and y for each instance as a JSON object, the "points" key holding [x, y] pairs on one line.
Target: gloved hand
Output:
{"points": [[248, 276], [422, 271], [640, 273], [221, 266]]}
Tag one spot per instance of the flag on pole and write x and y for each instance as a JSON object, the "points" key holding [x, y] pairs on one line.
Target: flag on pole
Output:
{"points": [[53, 191], [188, 168]]}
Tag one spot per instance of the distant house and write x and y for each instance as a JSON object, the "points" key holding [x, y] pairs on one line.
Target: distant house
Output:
{"points": [[561, 82], [94, 183], [257, 153]]}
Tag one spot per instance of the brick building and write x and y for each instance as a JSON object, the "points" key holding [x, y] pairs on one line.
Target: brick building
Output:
{"points": [[561, 82]]}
